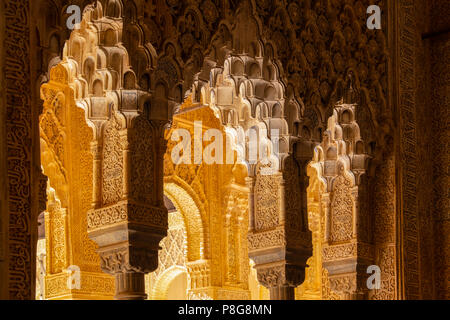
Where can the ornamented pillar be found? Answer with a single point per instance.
(236, 260)
(347, 244)
(67, 161)
(279, 240)
(200, 278)
(312, 288)
(103, 156)
(131, 219)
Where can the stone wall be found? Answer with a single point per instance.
(3, 190)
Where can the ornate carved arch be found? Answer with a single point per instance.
(162, 284)
(194, 216)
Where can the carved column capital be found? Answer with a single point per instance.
(128, 235)
(350, 286)
(347, 264)
(128, 258)
(281, 274)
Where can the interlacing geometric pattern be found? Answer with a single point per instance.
(172, 254)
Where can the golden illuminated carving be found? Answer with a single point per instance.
(311, 289)
(263, 64)
(337, 169)
(40, 269)
(214, 209)
(212, 201)
(67, 161)
(172, 261)
(229, 212)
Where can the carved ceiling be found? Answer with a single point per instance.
(318, 49)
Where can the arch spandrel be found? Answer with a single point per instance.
(313, 286)
(264, 89)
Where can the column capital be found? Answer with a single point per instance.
(128, 235)
(280, 274)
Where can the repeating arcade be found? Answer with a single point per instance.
(106, 97)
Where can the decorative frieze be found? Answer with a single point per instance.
(266, 239)
(124, 211)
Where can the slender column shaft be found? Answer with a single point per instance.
(251, 202)
(97, 171)
(130, 286)
(282, 293)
